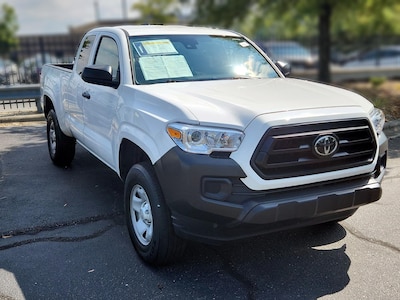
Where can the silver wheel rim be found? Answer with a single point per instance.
(52, 138)
(141, 215)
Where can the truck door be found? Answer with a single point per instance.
(101, 103)
(73, 96)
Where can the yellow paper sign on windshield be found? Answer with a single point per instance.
(163, 46)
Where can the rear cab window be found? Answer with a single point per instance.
(83, 56)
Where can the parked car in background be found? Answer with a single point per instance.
(289, 51)
(384, 56)
(8, 71)
(29, 69)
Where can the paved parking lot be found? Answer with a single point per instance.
(62, 235)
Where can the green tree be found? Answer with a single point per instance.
(323, 18)
(8, 29)
(157, 11)
(372, 18)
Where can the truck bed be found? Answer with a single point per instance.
(68, 66)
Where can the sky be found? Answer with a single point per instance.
(56, 16)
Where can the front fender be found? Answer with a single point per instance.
(154, 143)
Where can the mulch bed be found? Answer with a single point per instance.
(385, 95)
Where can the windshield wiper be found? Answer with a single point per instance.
(241, 77)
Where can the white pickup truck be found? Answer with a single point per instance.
(213, 143)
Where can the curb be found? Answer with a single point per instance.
(391, 128)
(22, 118)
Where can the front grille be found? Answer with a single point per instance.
(289, 151)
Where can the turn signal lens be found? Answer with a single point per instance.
(174, 133)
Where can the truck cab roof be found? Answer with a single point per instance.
(137, 30)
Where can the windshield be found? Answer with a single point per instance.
(172, 58)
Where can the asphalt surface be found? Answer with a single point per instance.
(63, 235)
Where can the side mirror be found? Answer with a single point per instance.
(101, 75)
(284, 67)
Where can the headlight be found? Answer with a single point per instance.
(378, 119)
(204, 140)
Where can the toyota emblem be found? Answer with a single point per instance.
(326, 145)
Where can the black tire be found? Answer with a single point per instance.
(148, 218)
(61, 147)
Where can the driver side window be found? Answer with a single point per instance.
(107, 54)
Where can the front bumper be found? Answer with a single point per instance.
(209, 202)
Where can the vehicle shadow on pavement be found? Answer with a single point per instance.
(291, 264)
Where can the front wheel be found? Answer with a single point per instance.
(61, 147)
(148, 218)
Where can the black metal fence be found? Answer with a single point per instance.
(20, 70)
(20, 104)
(23, 65)
(21, 97)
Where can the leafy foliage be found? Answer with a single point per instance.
(8, 29)
(289, 19)
(157, 11)
(222, 12)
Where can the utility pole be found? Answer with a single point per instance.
(124, 10)
(97, 10)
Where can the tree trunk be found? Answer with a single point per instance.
(324, 41)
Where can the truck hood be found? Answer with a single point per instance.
(237, 102)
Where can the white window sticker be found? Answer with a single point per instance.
(158, 67)
(154, 47)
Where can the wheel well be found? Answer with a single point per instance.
(129, 154)
(48, 105)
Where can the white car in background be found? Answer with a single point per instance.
(29, 69)
(8, 71)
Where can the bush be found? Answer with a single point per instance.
(377, 81)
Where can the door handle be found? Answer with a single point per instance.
(86, 95)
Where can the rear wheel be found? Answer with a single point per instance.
(148, 218)
(61, 147)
